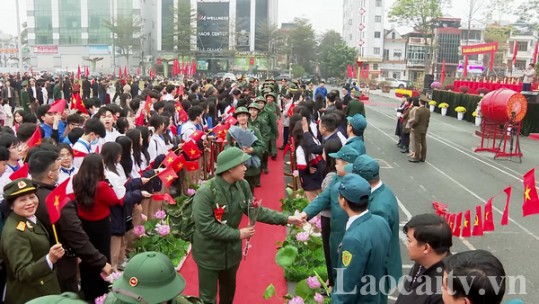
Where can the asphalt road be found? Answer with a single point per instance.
(457, 176)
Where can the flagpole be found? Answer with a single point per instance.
(55, 234)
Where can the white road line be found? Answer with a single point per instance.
(465, 188)
(404, 210)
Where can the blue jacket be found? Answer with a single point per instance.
(358, 144)
(321, 90)
(329, 199)
(362, 253)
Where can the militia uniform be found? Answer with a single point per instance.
(24, 248)
(355, 106)
(364, 247)
(358, 123)
(269, 115)
(265, 132)
(217, 247)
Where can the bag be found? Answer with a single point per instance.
(181, 220)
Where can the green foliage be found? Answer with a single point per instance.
(335, 58)
(303, 290)
(528, 12)
(269, 292)
(123, 29)
(286, 256)
(290, 204)
(302, 43)
(297, 70)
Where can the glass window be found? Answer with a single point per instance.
(378, 3)
(167, 25)
(386, 54)
(376, 34)
(43, 18)
(70, 27)
(397, 53)
(377, 50)
(375, 66)
(520, 64)
(125, 8)
(98, 11)
(522, 46)
(378, 19)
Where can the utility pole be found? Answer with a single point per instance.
(113, 39)
(19, 38)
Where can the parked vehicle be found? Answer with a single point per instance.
(394, 83)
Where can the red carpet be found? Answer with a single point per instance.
(259, 269)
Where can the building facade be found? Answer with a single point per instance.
(394, 58)
(524, 35)
(363, 29)
(63, 32)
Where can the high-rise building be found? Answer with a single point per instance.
(63, 32)
(363, 29)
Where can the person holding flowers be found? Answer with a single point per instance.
(218, 207)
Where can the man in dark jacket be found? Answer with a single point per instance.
(86, 88)
(44, 167)
(429, 241)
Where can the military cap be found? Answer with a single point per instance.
(293, 88)
(230, 158)
(356, 94)
(358, 122)
(346, 153)
(355, 189)
(241, 110)
(260, 98)
(149, 277)
(365, 166)
(270, 94)
(254, 105)
(18, 188)
(24, 83)
(64, 298)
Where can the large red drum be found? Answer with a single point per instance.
(498, 106)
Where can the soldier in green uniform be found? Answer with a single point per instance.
(149, 277)
(268, 115)
(218, 207)
(256, 149)
(25, 250)
(24, 97)
(355, 106)
(64, 298)
(265, 133)
(271, 103)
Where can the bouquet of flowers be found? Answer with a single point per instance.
(252, 213)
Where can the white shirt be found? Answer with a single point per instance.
(82, 146)
(67, 173)
(342, 138)
(188, 128)
(355, 217)
(117, 181)
(376, 186)
(157, 146)
(110, 136)
(45, 95)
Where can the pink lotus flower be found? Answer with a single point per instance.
(317, 222)
(139, 231)
(313, 282)
(296, 300)
(191, 192)
(302, 236)
(101, 299)
(160, 214)
(162, 230)
(318, 298)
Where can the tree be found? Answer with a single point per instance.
(302, 43)
(474, 8)
(528, 12)
(297, 71)
(500, 34)
(270, 40)
(499, 9)
(183, 31)
(125, 34)
(420, 14)
(335, 55)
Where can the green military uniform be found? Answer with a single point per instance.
(24, 247)
(363, 250)
(217, 247)
(355, 106)
(24, 97)
(57, 92)
(272, 106)
(264, 129)
(258, 149)
(382, 202)
(64, 298)
(268, 115)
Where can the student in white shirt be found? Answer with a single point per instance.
(195, 118)
(157, 144)
(106, 116)
(67, 168)
(86, 144)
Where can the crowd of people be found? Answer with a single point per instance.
(109, 150)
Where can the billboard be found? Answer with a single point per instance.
(213, 26)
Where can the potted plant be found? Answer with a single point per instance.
(482, 91)
(386, 87)
(464, 89)
(436, 85)
(460, 112)
(443, 108)
(477, 116)
(449, 87)
(432, 105)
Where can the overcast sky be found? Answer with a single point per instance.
(324, 14)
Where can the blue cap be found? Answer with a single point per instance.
(366, 166)
(346, 153)
(358, 122)
(355, 189)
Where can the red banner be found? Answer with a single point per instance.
(479, 48)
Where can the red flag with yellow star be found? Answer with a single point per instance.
(220, 131)
(178, 163)
(197, 135)
(489, 217)
(467, 229)
(190, 148)
(458, 223)
(505, 215)
(192, 165)
(35, 139)
(56, 200)
(170, 158)
(478, 222)
(531, 200)
(167, 176)
(451, 221)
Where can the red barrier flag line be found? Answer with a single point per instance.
(452, 221)
(467, 229)
(478, 221)
(505, 215)
(488, 224)
(458, 223)
(531, 200)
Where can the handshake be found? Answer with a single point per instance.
(298, 219)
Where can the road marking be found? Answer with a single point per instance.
(383, 164)
(423, 188)
(404, 210)
(465, 188)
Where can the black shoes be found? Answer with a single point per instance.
(404, 150)
(413, 160)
